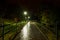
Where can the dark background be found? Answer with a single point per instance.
(10, 9)
(14, 8)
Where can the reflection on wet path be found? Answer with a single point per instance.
(25, 32)
(30, 32)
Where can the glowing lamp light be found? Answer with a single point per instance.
(25, 13)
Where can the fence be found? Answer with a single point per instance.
(50, 33)
(8, 32)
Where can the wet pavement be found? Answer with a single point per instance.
(30, 32)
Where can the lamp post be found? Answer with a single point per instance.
(25, 13)
(2, 26)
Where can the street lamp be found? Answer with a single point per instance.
(28, 17)
(25, 13)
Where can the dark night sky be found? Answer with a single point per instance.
(31, 5)
(34, 3)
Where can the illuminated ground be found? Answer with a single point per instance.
(32, 32)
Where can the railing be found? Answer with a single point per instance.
(10, 31)
(7, 29)
(49, 32)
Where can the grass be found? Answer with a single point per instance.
(10, 30)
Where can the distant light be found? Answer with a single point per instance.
(25, 13)
(28, 17)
